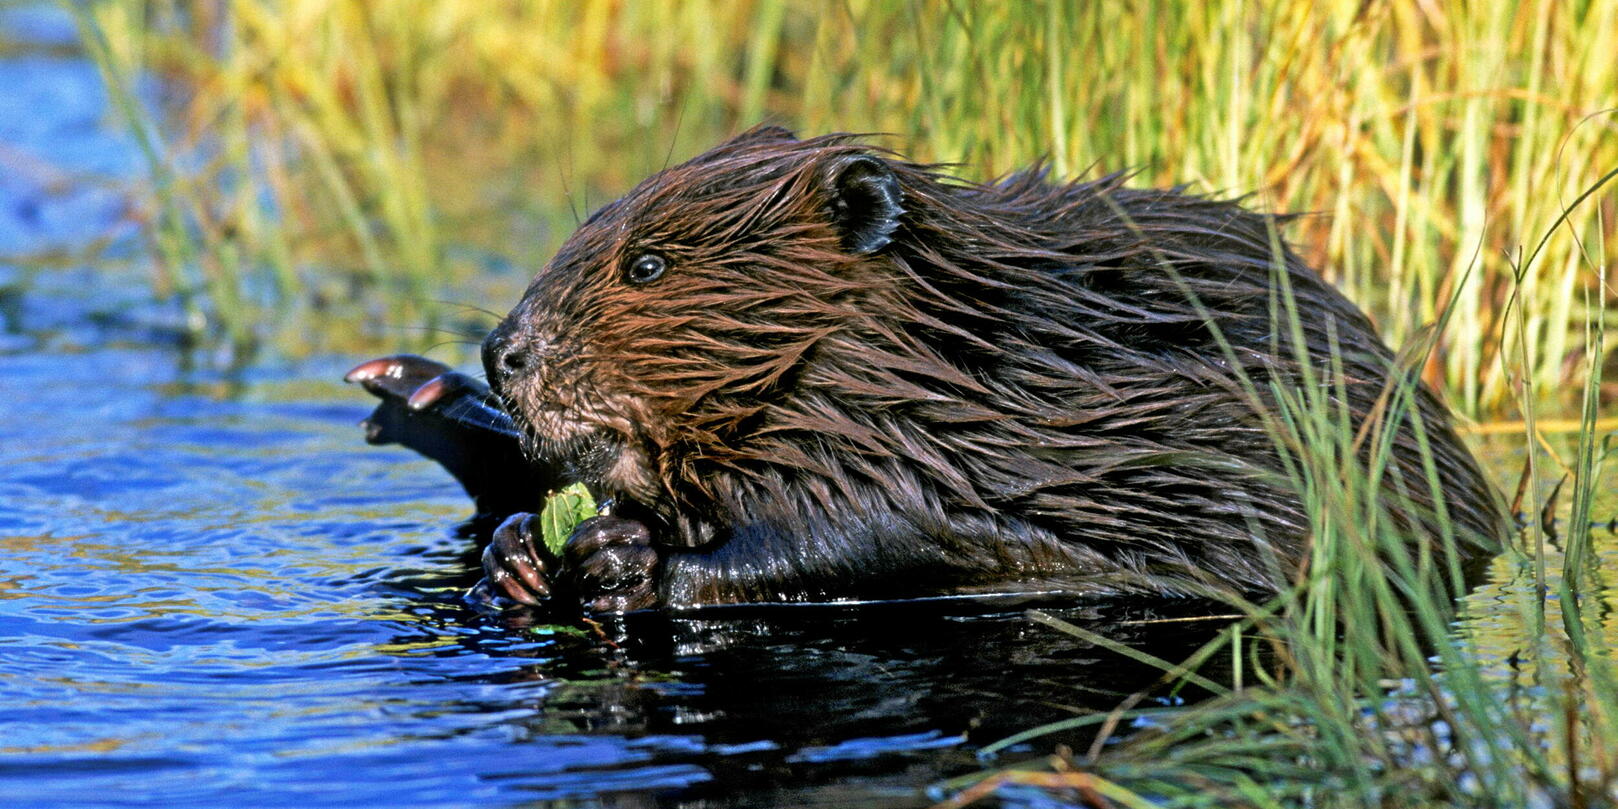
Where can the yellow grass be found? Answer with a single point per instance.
(328, 149)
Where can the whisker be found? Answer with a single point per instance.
(468, 307)
(443, 343)
(679, 120)
(467, 336)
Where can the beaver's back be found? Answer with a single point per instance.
(1163, 404)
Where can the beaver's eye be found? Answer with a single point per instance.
(645, 268)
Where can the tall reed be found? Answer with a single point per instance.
(326, 152)
(1358, 686)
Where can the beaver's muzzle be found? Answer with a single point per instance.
(511, 351)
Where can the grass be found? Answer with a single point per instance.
(1369, 692)
(371, 157)
(325, 173)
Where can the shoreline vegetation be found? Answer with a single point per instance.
(307, 153)
(342, 162)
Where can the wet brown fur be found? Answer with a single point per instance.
(1016, 393)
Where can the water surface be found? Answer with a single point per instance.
(212, 592)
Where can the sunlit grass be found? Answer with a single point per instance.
(332, 150)
(1358, 687)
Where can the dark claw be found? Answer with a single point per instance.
(405, 382)
(429, 393)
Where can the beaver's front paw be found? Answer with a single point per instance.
(516, 567)
(613, 564)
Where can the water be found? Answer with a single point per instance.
(213, 593)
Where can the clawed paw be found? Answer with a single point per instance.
(516, 566)
(608, 564)
(612, 564)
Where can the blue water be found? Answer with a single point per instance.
(212, 593)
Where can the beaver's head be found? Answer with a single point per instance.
(674, 317)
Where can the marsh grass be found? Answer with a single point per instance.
(363, 157)
(1358, 686)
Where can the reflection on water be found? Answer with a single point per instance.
(212, 592)
(211, 598)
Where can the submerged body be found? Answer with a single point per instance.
(806, 370)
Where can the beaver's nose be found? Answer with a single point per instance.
(505, 354)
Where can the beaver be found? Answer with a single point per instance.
(810, 370)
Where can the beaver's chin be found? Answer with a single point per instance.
(607, 462)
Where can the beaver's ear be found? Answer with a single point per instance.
(865, 202)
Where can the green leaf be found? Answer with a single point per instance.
(563, 511)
